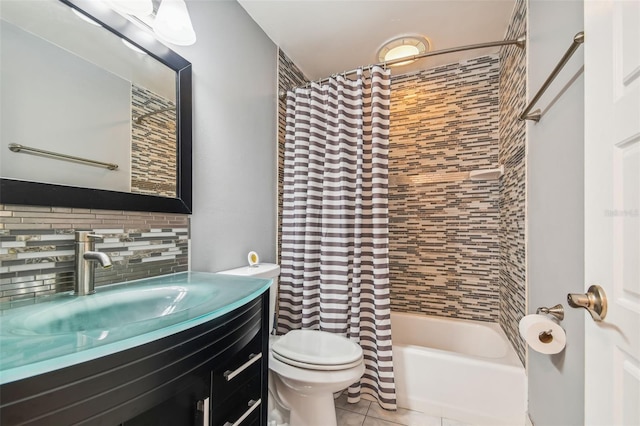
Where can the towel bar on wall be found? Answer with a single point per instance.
(14, 147)
(158, 111)
(578, 39)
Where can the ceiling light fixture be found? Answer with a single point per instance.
(173, 23)
(403, 47)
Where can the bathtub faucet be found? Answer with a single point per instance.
(86, 256)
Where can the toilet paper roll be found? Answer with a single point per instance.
(542, 334)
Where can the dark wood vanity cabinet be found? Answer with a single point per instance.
(217, 368)
(236, 391)
(182, 409)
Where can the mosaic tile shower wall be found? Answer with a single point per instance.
(289, 76)
(37, 248)
(456, 246)
(153, 144)
(513, 92)
(443, 228)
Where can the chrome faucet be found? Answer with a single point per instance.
(85, 256)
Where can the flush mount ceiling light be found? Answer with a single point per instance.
(173, 23)
(132, 7)
(403, 47)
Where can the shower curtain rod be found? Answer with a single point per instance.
(520, 42)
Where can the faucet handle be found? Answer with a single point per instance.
(86, 236)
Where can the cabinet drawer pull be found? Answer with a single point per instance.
(203, 407)
(252, 406)
(231, 374)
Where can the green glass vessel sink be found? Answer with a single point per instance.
(63, 330)
(108, 310)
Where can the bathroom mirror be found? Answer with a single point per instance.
(72, 87)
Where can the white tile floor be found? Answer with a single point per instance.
(367, 413)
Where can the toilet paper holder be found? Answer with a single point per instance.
(556, 311)
(543, 334)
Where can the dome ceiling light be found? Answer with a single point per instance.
(403, 47)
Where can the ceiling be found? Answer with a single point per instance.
(325, 37)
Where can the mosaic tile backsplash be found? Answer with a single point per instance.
(443, 228)
(513, 92)
(153, 144)
(37, 247)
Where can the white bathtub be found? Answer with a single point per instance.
(458, 369)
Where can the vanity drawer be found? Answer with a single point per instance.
(242, 407)
(236, 371)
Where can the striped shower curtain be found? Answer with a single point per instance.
(334, 259)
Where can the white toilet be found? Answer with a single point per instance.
(308, 366)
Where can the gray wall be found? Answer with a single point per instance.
(555, 209)
(235, 147)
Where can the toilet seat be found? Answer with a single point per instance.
(317, 350)
(306, 377)
(319, 367)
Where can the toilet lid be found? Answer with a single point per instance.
(321, 367)
(318, 348)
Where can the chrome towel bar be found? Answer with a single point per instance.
(14, 147)
(149, 114)
(578, 39)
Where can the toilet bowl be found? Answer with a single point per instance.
(307, 366)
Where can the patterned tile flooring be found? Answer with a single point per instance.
(367, 413)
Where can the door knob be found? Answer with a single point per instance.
(594, 301)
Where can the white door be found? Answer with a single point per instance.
(612, 209)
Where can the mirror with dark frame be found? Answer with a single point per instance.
(138, 146)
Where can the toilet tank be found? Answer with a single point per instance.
(262, 270)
